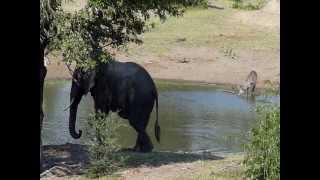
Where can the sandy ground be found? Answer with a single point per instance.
(208, 64)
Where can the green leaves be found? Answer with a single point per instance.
(248, 4)
(47, 15)
(263, 151)
(82, 36)
(102, 133)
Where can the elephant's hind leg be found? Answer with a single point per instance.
(144, 143)
(139, 123)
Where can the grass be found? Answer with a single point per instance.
(203, 28)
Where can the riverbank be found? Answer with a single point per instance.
(69, 161)
(229, 44)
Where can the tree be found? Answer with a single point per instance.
(47, 31)
(81, 36)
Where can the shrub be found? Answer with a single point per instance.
(236, 4)
(262, 159)
(102, 134)
(198, 3)
(248, 5)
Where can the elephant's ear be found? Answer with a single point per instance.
(89, 81)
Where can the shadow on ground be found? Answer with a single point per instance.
(72, 159)
(65, 159)
(155, 159)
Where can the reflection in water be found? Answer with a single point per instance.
(190, 119)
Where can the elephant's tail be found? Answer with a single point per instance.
(156, 126)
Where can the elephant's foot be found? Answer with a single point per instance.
(146, 148)
(143, 144)
(136, 148)
(139, 148)
(128, 150)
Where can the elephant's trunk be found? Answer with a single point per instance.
(75, 99)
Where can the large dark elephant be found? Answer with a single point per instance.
(126, 88)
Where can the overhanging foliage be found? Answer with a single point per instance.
(81, 36)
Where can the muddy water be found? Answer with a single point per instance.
(192, 117)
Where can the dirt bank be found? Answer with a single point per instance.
(199, 64)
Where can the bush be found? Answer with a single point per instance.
(262, 159)
(248, 5)
(199, 3)
(102, 135)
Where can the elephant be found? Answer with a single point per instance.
(122, 87)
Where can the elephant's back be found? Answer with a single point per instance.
(133, 72)
(140, 76)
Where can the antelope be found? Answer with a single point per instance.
(249, 85)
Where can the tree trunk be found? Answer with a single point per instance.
(43, 73)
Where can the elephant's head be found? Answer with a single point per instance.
(82, 82)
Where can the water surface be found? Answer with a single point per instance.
(191, 117)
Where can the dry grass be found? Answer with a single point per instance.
(212, 28)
